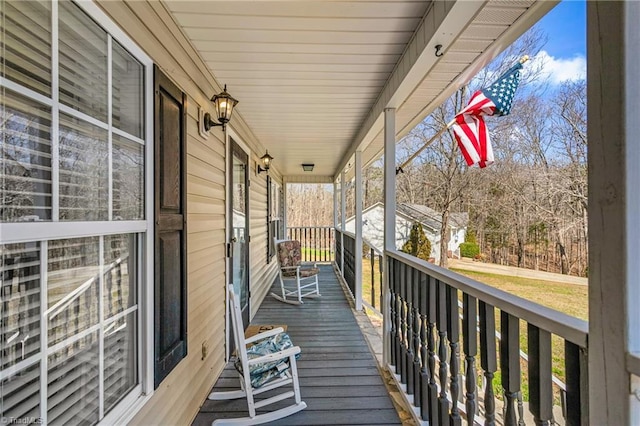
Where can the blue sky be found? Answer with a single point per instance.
(564, 55)
(566, 27)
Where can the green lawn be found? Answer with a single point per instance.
(316, 255)
(571, 299)
(366, 281)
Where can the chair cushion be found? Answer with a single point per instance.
(264, 372)
(289, 253)
(304, 273)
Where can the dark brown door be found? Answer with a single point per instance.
(170, 226)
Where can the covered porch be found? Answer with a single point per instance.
(328, 84)
(339, 376)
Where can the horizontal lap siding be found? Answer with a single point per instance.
(179, 396)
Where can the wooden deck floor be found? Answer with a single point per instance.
(339, 379)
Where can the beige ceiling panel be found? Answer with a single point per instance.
(279, 23)
(236, 67)
(289, 58)
(467, 45)
(290, 46)
(347, 9)
(493, 15)
(287, 75)
(484, 32)
(456, 56)
(335, 99)
(521, 5)
(327, 37)
(307, 73)
(450, 67)
(312, 92)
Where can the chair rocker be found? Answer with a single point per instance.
(268, 363)
(296, 281)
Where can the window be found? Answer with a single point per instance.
(275, 216)
(73, 156)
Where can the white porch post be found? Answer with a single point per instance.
(335, 216)
(358, 250)
(343, 212)
(613, 90)
(389, 220)
(284, 216)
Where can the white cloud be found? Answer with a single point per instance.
(558, 70)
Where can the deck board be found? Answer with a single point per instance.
(339, 378)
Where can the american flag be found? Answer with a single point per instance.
(469, 127)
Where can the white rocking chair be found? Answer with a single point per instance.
(266, 365)
(296, 281)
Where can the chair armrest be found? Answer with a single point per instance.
(264, 334)
(276, 355)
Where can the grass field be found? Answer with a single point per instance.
(571, 299)
(366, 281)
(316, 255)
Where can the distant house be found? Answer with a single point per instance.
(406, 215)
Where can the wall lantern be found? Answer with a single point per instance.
(266, 162)
(223, 104)
(308, 167)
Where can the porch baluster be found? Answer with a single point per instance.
(373, 288)
(424, 351)
(576, 366)
(510, 364)
(441, 321)
(453, 330)
(431, 319)
(488, 360)
(323, 243)
(417, 323)
(403, 323)
(393, 279)
(540, 386)
(410, 357)
(381, 272)
(470, 348)
(520, 410)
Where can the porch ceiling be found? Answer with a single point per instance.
(313, 77)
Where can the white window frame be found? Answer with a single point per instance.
(51, 230)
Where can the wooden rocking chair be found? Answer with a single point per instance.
(296, 281)
(268, 363)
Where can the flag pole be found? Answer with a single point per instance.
(399, 169)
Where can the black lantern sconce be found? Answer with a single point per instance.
(224, 104)
(266, 163)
